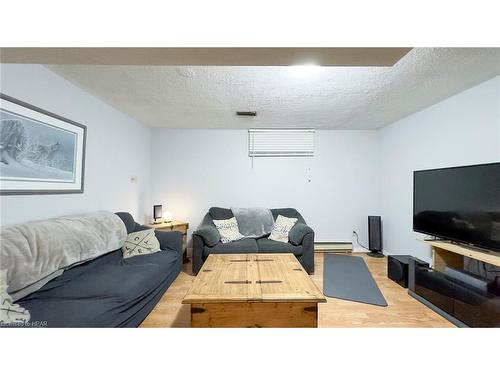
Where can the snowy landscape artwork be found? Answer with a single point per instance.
(38, 152)
(35, 151)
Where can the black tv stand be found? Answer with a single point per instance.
(459, 301)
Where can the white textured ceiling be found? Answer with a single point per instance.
(325, 97)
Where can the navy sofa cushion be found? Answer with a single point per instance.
(106, 292)
(269, 246)
(247, 245)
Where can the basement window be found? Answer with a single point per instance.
(281, 142)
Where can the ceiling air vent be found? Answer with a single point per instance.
(246, 113)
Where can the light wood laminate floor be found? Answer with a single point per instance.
(403, 310)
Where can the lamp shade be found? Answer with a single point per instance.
(167, 216)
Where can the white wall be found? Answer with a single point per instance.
(196, 169)
(463, 129)
(117, 148)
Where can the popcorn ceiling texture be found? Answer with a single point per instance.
(323, 98)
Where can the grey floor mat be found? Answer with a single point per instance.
(347, 277)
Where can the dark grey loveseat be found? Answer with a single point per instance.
(206, 240)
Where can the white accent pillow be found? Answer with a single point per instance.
(281, 228)
(228, 230)
(140, 243)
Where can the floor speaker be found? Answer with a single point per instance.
(375, 236)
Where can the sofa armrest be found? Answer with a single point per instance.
(198, 258)
(298, 232)
(171, 241)
(168, 240)
(209, 234)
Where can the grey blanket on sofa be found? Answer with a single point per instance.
(35, 253)
(254, 222)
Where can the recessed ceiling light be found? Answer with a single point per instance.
(305, 69)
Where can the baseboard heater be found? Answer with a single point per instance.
(332, 247)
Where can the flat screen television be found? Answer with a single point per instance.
(461, 204)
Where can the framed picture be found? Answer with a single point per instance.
(40, 152)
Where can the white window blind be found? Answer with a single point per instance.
(280, 142)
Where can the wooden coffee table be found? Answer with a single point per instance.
(253, 290)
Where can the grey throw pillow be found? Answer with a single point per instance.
(140, 243)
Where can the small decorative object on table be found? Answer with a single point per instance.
(157, 214)
(178, 226)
